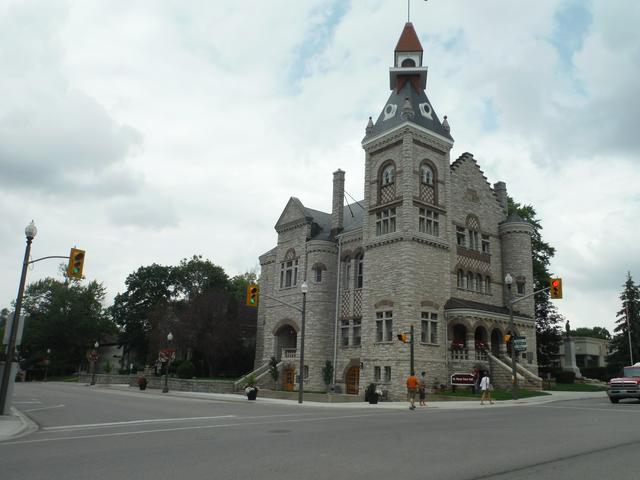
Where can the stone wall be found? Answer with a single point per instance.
(179, 384)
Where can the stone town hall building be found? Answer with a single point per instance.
(429, 246)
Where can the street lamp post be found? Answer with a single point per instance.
(165, 389)
(305, 288)
(94, 358)
(46, 364)
(508, 279)
(30, 232)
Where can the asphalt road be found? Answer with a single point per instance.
(99, 433)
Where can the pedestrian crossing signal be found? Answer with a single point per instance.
(76, 263)
(555, 289)
(507, 338)
(252, 295)
(403, 337)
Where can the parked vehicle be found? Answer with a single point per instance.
(627, 386)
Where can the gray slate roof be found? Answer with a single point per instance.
(415, 98)
(352, 220)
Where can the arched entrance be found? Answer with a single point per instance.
(288, 378)
(459, 337)
(352, 380)
(285, 342)
(481, 338)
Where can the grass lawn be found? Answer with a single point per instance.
(576, 387)
(497, 394)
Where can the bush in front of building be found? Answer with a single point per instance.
(564, 377)
(186, 369)
(598, 373)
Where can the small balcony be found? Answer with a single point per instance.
(288, 353)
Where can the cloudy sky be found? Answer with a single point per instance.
(149, 131)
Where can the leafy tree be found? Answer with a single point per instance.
(196, 276)
(4, 320)
(548, 319)
(595, 332)
(627, 317)
(65, 316)
(239, 284)
(147, 287)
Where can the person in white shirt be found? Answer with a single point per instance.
(486, 387)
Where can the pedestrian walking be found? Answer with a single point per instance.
(412, 387)
(422, 389)
(486, 387)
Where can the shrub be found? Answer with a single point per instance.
(565, 377)
(107, 367)
(599, 373)
(327, 372)
(186, 369)
(273, 369)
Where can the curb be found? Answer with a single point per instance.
(25, 426)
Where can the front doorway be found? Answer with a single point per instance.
(288, 379)
(353, 380)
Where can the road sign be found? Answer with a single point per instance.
(92, 355)
(520, 344)
(462, 379)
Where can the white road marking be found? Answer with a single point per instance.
(195, 427)
(131, 422)
(43, 408)
(613, 410)
(28, 402)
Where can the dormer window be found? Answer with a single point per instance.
(388, 175)
(408, 63)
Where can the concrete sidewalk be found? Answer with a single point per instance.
(18, 424)
(15, 425)
(431, 405)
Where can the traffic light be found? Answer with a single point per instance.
(252, 295)
(507, 338)
(403, 337)
(555, 287)
(76, 262)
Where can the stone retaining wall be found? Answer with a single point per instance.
(179, 384)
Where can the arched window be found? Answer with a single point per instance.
(388, 175)
(386, 180)
(428, 177)
(473, 225)
(408, 62)
(479, 283)
(487, 284)
(461, 279)
(426, 174)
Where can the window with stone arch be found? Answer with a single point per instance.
(387, 182)
(473, 227)
(289, 269)
(462, 279)
(428, 178)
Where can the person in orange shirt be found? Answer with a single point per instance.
(412, 387)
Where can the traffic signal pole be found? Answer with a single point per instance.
(413, 372)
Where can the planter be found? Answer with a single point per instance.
(143, 387)
(252, 394)
(373, 399)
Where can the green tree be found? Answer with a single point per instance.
(65, 316)
(147, 287)
(628, 317)
(195, 276)
(239, 285)
(4, 320)
(595, 332)
(548, 319)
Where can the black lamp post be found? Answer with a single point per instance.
(30, 232)
(165, 389)
(94, 359)
(305, 288)
(46, 364)
(508, 279)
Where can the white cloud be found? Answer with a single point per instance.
(194, 123)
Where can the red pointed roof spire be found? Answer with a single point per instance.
(408, 41)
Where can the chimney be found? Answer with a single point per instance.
(337, 212)
(500, 189)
